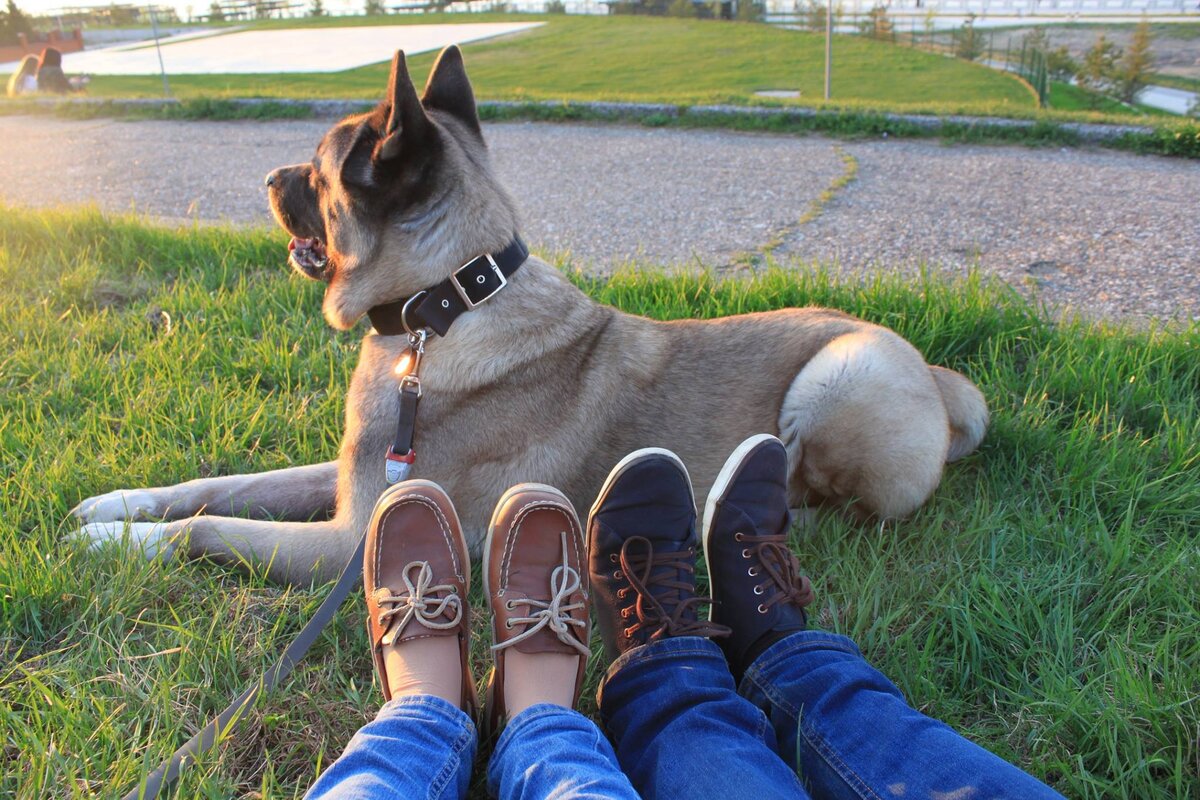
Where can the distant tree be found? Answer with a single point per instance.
(1134, 69)
(556, 7)
(1097, 73)
(814, 14)
(929, 21)
(681, 8)
(749, 11)
(877, 25)
(968, 41)
(216, 13)
(122, 15)
(13, 23)
(317, 9)
(375, 8)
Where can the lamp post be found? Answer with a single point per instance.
(828, 45)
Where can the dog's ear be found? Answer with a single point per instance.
(449, 89)
(406, 123)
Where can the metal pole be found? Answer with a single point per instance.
(162, 67)
(828, 46)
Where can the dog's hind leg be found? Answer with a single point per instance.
(864, 423)
(296, 493)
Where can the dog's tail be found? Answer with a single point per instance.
(966, 408)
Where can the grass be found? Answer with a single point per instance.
(642, 60)
(1044, 601)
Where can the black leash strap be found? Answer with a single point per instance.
(222, 725)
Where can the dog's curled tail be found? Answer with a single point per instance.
(966, 409)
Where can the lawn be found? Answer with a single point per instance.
(1044, 602)
(646, 60)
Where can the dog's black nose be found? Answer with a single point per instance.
(270, 179)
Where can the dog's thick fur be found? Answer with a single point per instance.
(541, 383)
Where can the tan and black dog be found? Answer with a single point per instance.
(539, 383)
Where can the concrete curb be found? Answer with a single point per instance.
(1088, 132)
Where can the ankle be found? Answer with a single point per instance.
(534, 678)
(428, 666)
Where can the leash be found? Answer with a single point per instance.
(222, 724)
(434, 309)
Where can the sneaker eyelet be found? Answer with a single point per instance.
(758, 590)
(624, 615)
(738, 537)
(746, 553)
(612, 557)
(622, 593)
(762, 609)
(509, 605)
(508, 622)
(752, 572)
(617, 575)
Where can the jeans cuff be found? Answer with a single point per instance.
(799, 642)
(679, 647)
(399, 708)
(531, 716)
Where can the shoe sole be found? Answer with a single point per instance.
(637, 457)
(720, 486)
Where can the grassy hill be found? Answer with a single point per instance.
(648, 60)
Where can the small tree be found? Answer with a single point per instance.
(216, 13)
(13, 23)
(1097, 73)
(317, 9)
(1060, 64)
(877, 24)
(814, 15)
(968, 41)
(1133, 71)
(375, 8)
(556, 7)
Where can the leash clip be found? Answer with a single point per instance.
(400, 456)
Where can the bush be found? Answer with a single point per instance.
(556, 7)
(877, 25)
(13, 22)
(1098, 72)
(1060, 64)
(1133, 71)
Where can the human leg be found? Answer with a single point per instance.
(668, 701)
(416, 573)
(838, 720)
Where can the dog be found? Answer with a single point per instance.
(538, 383)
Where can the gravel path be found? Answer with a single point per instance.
(1109, 234)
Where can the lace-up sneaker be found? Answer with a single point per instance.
(417, 572)
(757, 587)
(536, 581)
(642, 553)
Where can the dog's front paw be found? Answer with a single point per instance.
(150, 539)
(118, 505)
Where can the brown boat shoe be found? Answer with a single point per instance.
(536, 582)
(417, 572)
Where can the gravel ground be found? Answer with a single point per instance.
(1106, 233)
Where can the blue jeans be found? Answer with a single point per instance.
(422, 747)
(812, 718)
(808, 706)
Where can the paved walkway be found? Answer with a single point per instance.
(1107, 233)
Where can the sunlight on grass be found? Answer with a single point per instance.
(1043, 602)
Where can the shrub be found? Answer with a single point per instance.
(877, 25)
(1097, 73)
(968, 41)
(1133, 71)
(749, 11)
(1060, 64)
(556, 7)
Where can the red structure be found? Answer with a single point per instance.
(65, 41)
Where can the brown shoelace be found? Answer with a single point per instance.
(781, 568)
(651, 612)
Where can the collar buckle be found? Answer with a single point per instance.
(478, 280)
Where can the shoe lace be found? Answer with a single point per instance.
(420, 601)
(649, 570)
(555, 613)
(782, 569)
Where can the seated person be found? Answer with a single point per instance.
(24, 80)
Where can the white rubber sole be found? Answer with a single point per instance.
(721, 485)
(636, 457)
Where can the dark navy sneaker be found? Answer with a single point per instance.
(757, 588)
(642, 553)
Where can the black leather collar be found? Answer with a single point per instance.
(471, 285)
